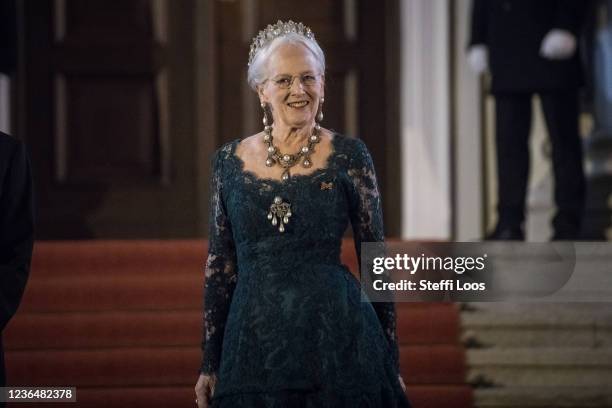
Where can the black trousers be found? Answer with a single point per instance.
(2, 369)
(513, 125)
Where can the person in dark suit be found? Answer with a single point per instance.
(530, 48)
(8, 36)
(16, 230)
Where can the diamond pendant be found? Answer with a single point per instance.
(279, 213)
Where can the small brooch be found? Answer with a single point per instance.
(327, 186)
(279, 214)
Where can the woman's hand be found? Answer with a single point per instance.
(401, 381)
(204, 389)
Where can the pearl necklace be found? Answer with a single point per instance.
(287, 161)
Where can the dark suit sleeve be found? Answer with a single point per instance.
(16, 232)
(478, 33)
(570, 14)
(8, 36)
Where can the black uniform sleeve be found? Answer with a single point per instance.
(478, 34)
(570, 14)
(8, 36)
(16, 231)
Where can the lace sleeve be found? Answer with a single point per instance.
(367, 223)
(220, 273)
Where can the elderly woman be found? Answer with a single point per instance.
(284, 322)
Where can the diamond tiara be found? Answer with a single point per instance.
(279, 29)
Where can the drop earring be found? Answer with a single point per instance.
(266, 119)
(320, 113)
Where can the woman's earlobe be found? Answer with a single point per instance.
(260, 93)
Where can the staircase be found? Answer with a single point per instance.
(540, 355)
(121, 321)
(432, 360)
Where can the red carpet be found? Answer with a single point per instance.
(121, 321)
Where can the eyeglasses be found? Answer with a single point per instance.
(285, 82)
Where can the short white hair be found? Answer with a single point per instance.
(257, 70)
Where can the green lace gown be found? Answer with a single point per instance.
(284, 322)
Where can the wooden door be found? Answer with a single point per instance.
(107, 114)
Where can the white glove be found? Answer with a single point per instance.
(478, 58)
(558, 45)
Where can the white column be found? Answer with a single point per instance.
(425, 119)
(468, 172)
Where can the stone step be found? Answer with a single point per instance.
(528, 308)
(178, 365)
(142, 258)
(539, 328)
(577, 367)
(91, 293)
(159, 396)
(543, 397)
(171, 396)
(435, 324)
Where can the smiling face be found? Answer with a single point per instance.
(293, 105)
